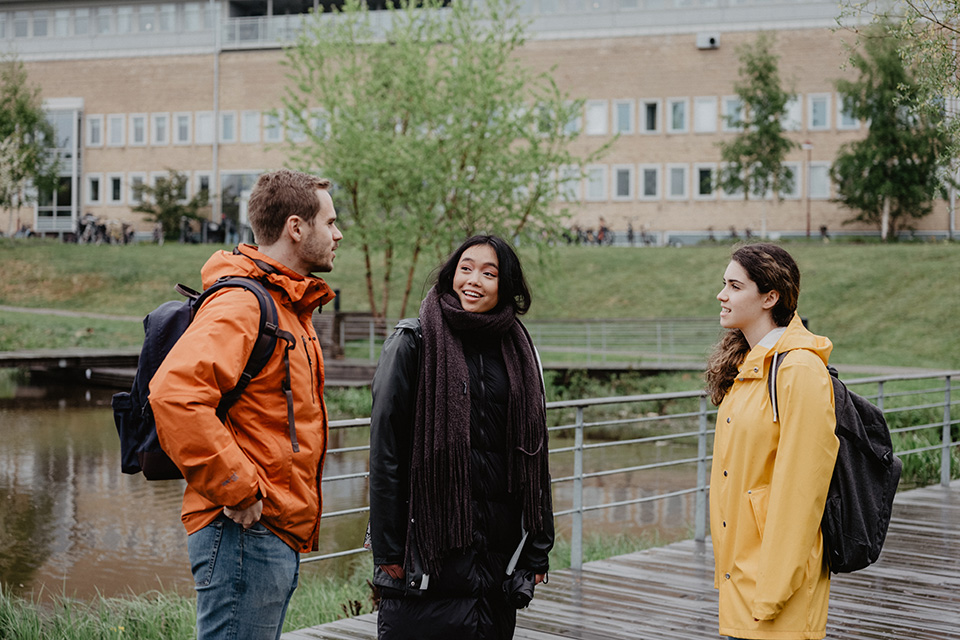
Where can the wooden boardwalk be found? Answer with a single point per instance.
(911, 593)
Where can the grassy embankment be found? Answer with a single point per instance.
(881, 305)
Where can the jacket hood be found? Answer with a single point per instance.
(304, 293)
(795, 336)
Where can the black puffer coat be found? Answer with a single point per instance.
(464, 599)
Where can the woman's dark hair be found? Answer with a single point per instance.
(771, 268)
(512, 286)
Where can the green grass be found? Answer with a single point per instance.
(880, 304)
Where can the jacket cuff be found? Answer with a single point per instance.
(248, 502)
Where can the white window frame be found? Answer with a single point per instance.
(712, 167)
(792, 119)
(797, 181)
(642, 117)
(155, 175)
(295, 131)
(631, 182)
(319, 123)
(724, 194)
(109, 199)
(118, 120)
(143, 121)
(569, 184)
(710, 104)
(103, 131)
(204, 127)
(818, 166)
(600, 181)
(725, 112)
(250, 127)
(631, 109)
(842, 123)
(175, 127)
(154, 120)
(814, 97)
(228, 127)
(272, 127)
(596, 118)
(87, 190)
(685, 126)
(668, 175)
(197, 179)
(642, 182)
(131, 177)
(575, 123)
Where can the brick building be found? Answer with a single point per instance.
(138, 87)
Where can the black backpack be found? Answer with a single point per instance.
(139, 446)
(864, 482)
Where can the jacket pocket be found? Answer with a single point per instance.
(759, 501)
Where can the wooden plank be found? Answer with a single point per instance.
(911, 593)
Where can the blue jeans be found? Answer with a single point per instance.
(244, 580)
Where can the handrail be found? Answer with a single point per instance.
(682, 421)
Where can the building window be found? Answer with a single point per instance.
(295, 129)
(819, 181)
(193, 16)
(103, 20)
(845, 120)
(95, 131)
(272, 129)
(138, 129)
(136, 183)
(732, 113)
(793, 193)
(596, 118)
(650, 116)
(40, 19)
(818, 111)
(704, 176)
(21, 24)
(204, 132)
(81, 21)
(115, 185)
(677, 115)
(568, 188)
(228, 126)
(124, 19)
(677, 182)
(250, 127)
(792, 119)
(596, 183)
(572, 125)
(201, 182)
(115, 126)
(181, 128)
(93, 189)
(160, 128)
(705, 115)
(623, 111)
(649, 182)
(147, 15)
(623, 182)
(167, 17)
(61, 23)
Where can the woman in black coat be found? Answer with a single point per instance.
(459, 479)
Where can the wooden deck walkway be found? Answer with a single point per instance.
(911, 593)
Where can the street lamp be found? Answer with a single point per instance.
(808, 147)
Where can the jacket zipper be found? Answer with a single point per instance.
(483, 389)
(306, 349)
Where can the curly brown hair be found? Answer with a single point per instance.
(771, 268)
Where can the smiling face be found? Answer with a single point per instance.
(743, 307)
(477, 279)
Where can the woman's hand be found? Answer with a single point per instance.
(395, 571)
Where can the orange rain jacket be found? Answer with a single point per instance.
(251, 454)
(768, 488)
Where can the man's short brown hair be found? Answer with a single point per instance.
(279, 195)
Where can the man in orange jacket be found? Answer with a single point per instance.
(252, 501)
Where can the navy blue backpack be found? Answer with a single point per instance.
(139, 446)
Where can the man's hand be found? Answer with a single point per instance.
(248, 517)
(540, 578)
(395, 571)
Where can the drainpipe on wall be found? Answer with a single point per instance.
(216, 209)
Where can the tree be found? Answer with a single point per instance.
(430, 129)
(892, 175)
(166, 202)
(753, 160)
(26, 140)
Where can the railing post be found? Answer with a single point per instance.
(947, 439)
(576, 534)
(880, 395)
(700, 518)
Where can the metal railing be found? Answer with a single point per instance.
(614, 459)
(594, 341)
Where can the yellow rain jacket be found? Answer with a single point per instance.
(768, 487)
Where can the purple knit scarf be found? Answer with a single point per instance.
(440, 509)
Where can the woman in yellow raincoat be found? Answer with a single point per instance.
(770, 475)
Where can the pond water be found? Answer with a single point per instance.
(71, 522)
